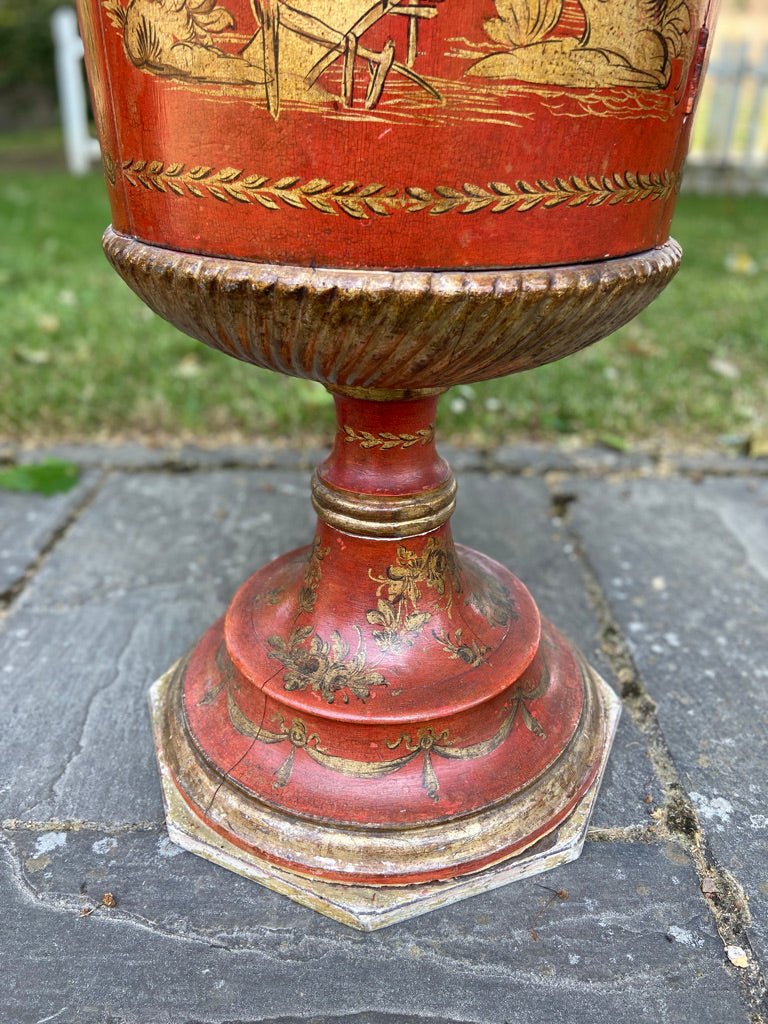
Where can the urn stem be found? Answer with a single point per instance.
(384, 477)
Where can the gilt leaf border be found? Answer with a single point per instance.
(361, 201)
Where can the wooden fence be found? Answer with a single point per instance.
(729, 150)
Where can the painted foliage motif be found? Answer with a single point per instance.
(374, 55)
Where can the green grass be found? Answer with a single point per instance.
(45, 143)
(81, 357)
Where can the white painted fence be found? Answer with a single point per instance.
(80, 148)
(729, 151)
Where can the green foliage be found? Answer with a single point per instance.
(51, 476)
(26, 47)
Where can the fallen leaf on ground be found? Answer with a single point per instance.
(724, 368)
(758, 445)
(741, 263)
(189, 367)
(33, 356)
(48, 322)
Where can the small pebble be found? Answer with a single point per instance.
(737, 956)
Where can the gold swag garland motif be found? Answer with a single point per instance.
(427, 743)
(358, 201)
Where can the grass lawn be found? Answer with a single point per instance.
(81, 357)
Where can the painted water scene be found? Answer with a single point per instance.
(418, 60)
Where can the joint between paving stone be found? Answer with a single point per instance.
(525, 460)
(676, 820)
(623, 834)
(109, 828)
(9, 596)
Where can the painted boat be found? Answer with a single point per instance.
(299, 42)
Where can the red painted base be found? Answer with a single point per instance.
(383, 710)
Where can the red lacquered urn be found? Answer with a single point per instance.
(389, 197)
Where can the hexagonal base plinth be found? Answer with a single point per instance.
(370, 907)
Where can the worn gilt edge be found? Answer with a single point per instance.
(356, 200)
(388, 516)
(138, 262)
(366, 907)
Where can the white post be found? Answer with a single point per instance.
(79, 147)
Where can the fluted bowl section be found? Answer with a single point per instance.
(378, 329)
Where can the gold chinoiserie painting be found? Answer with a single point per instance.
(315, 53)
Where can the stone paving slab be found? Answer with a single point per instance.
(151, 563)
(130, 455)
(685, 570)
(28, 522)
(189, 942)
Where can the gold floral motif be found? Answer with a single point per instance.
(312, 577)
(233, 185)
(470, 652)
(326, 668)
(110, 170)
(399, 613)
(398, 629)
(499, 197)
(521, 23)
(387, 441)
(359, 201)
(116, 13)
(435, 566)
(426, 744)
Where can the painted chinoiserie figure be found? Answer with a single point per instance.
(389, 197)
